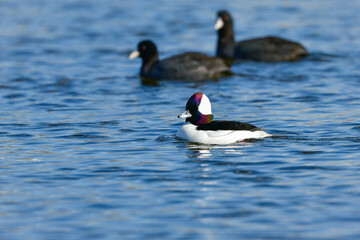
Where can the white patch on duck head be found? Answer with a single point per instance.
(205, 105)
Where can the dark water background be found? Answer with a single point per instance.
(89, 152)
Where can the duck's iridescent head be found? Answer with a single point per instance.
(198, 109)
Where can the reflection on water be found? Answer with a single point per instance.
(205, 151)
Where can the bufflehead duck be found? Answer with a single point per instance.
(186, 66)
(266, 49)
(200, 127)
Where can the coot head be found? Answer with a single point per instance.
(146, 50)
(224, 21)
(226, 41)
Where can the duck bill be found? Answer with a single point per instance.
(134, 54)
(219, 23)
(185, 114)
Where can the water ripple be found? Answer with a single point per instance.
(88, 148)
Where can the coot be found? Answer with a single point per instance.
(266, 49)
(186, 66)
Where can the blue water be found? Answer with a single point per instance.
(88, 150)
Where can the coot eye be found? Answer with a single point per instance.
(143, 47)
(225, 17)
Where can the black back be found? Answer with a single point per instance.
(227, 125)
(269, 49)
(189, 66)
(186, 66)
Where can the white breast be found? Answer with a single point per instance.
(188, 132)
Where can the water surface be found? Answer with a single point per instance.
(88, 151)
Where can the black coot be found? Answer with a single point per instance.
(186, 66)
(267, 49)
